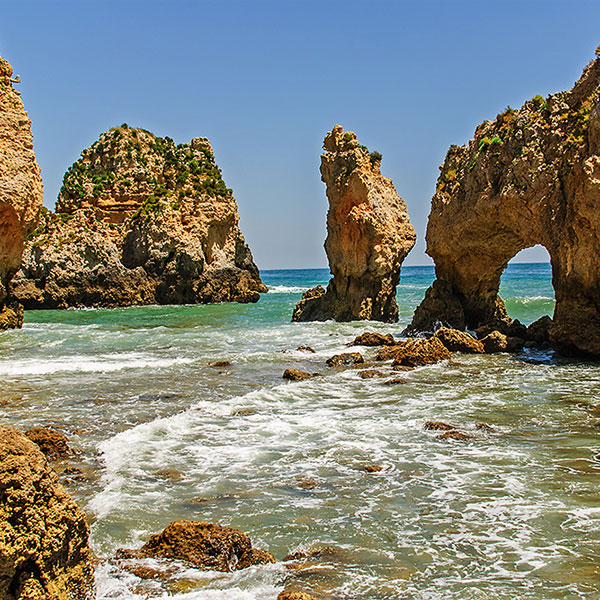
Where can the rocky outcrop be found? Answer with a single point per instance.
(202, 545)
(139, 220)
(531, 176)
(44, 552)
(21, 193)
(459, 341)
(53, 444)
(368, 236)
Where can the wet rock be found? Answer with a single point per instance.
(459, 341)
(144, 572)
(402, 368)
(307, 483)
(514, 344)
(416, 352)
(321, 552)
(458, 436)
(373, 339)
(220, 363)
(44, 549)
(387, 352)
(438, 426)
(170, 474)
(305, 349)
(296, 375)
(495, 342)
(372, 468)
(255, 557)
(370, 373)
(347, 358)
(368, 236)
(242, 412)
(396, 381)
(539, 331)
(52, 443)
(516, 329)
(483, 427)
(202, 545)
(294, 595)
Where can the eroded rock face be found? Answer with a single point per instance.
(368, 236)
(531, 176)
(139, 220)
(21, 193)
(44, 552)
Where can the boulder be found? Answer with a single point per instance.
(344, 359)
(495, 342)
(416, 352)
(368, 236)
(539, 331)
(296, 375)
(53, 444)
(294, 595)
(370, 373)
(44, 548)
(530, 176)
(438, 426)
(373, 339)
(202, 545)
(459, 341)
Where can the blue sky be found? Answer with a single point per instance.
(264, 81)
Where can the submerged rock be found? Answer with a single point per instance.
(531, 176)
(368, 237)
(458, 436)
(21, 192)
(139, 220)
(346, 358)
(202, 545)
(53, 444)
(459, 341)
(294, 595)
(44, 550)
(438, 426)
(296, 375)
(370, 373)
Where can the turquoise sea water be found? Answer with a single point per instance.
(160, 435)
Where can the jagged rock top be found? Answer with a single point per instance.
(128, 169)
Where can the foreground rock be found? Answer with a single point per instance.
(294, 595)
(202, 545)
(139, 220)
(373, 339)
(44, 552)
(53, 444)
(297, 375)
(368, 236)
(530, 176)
(21, 193)
(345, 359)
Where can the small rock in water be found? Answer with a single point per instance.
(372, 468)
(147, 572)
(313, 554)
(369, 373)
(347, 358)
(373, 339)
(296, 375)
(438, 426)
(203, 545)
(220, 363)
(294, 595)
(459, 436)
(416, 352)
(242, 412)
(483, 427)
(402, 368)
(171, 474)
(307, 483)
(495, 342)
(396, 381)
(305, 349)
(52, 443)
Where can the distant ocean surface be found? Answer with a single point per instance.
(161, 435)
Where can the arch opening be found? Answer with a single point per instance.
(526, 285)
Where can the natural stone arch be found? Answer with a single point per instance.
(530, 177)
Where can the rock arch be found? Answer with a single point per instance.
(532, 176)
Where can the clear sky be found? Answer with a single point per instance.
(265, 80)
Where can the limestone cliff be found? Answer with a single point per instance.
(531, 176)
(21, 192)
(368, 236)
(139, 220)
(44, 551)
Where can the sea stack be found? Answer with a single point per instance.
(21, 192)
(139, 220)
(368, 236)
(531, 176)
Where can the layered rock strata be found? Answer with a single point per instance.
(139, 220)
(21, 193)
(44, 551)
(368, 236)
(531, 176)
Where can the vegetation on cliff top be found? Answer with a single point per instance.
(134, 168)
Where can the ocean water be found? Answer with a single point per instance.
(160, 435)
